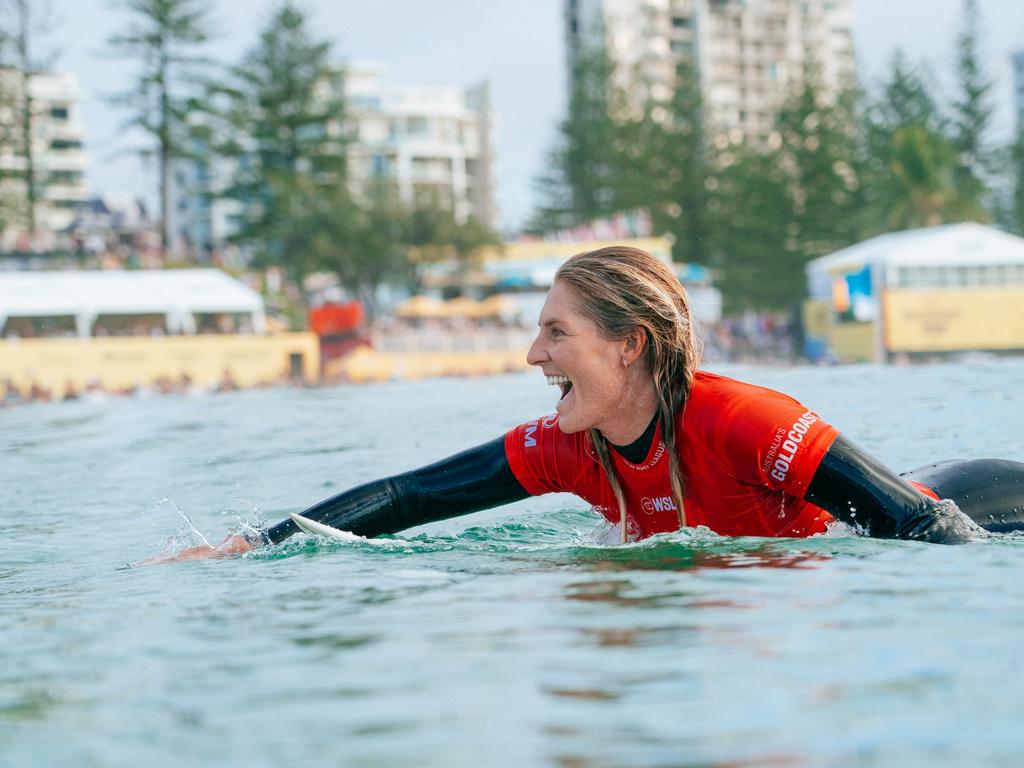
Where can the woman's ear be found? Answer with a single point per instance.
(634, 347)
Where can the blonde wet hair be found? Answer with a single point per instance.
(621, 289)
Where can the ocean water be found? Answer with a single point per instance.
(514, 637)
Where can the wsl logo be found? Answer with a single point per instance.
(530, 434)
(529, 441)
(657, 504)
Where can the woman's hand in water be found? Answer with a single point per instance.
(234, 544)
(941, 522)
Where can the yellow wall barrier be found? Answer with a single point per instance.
(365, 364)
(123, 362)
(949, 320)
(850, 342)
(853, 342)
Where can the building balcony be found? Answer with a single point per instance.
(75, 192)
(63, 161)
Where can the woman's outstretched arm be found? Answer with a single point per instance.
(476, 479)
(479, 478)
(858, 489)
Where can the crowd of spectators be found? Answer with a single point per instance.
(184, 385)
(762, 338)
(63, 326)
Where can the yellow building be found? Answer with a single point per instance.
(920, 293)
(61, 330)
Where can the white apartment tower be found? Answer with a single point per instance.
(431, 141)
(751, 55)
(58, 155)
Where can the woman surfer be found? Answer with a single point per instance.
(657, 445)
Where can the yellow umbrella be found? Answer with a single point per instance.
(464, 307)
(421, 306)
(497, 306)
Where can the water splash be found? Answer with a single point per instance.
(954, 525)
(252, 524)
(188, 532)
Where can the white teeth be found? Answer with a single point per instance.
(557, 380)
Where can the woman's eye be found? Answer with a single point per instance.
(557, 332)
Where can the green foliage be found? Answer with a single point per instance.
(819, 150)
(971, 115)
(433, 233)
(688, 169)
(778, 206)
(1014, 215)
(579, 184)
(380, 240)
(915, 177)
(750, 211)
(163, 36)
(281, 122)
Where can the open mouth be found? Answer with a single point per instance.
(562, 382)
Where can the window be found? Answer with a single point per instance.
(417, 126)
(59, 113)
(65, 177)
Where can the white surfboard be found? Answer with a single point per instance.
(313, 528)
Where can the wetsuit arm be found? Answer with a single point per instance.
(859, 490)
(476, 479)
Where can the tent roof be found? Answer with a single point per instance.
(157, 292)
(965, 244)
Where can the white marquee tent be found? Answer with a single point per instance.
(947, 256)
(177, 294)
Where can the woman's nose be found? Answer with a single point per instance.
(536, 353)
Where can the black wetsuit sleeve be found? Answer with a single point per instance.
(858, 489)
(476, 479)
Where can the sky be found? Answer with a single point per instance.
(515, 44)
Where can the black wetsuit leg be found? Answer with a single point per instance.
(479, 478)
(990, 491)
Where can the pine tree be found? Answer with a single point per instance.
(690, 162)
(910, 176)
(1014, 215)
(819, 152)
(284, 129)
(578, 185)
(164, 37)
(757, 257)
(972, 116)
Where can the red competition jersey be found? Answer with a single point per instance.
(747, 454)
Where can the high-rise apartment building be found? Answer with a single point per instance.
(201, 218)
(433, 143)
(751, 55)
(58, 156)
